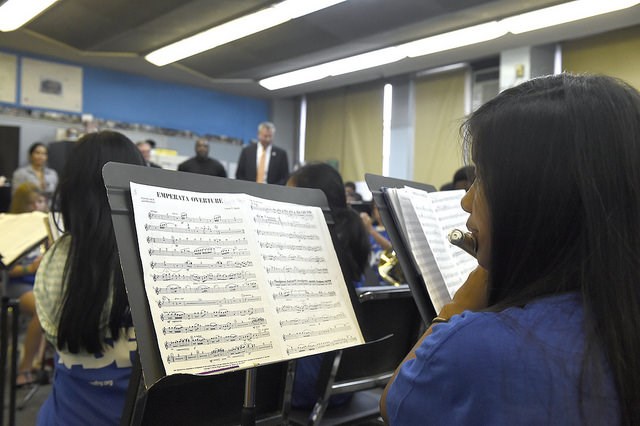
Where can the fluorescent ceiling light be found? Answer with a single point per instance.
(375, 58)
(16, 13)
(236, 29)
(454, 39)
(341, 66)
(563, 13)
(547, 17)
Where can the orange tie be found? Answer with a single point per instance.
(261, 166)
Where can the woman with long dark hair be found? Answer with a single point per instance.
(547, 332)
(80, 294)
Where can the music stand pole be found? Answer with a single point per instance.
(248, 417)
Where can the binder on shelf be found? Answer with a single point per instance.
(224, 275)
(418, 220)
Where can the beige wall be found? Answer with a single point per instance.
(346, 125)
(616, 53)
(439, 114)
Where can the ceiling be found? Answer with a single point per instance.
(116, 34)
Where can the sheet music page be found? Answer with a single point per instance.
(439, 213)
(20, 232)
(311, 301)
(417, 206)
(208, 260)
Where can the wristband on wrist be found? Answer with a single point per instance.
(438, 320)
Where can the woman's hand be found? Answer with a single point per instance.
(472, 296)
(366, 220)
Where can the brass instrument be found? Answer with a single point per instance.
(389, 268)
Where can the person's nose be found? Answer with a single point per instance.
(467, 200)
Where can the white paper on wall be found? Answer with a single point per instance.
(51, 85)
(8, 77)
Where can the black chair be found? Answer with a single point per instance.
(390, 313)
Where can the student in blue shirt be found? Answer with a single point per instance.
(545, 331)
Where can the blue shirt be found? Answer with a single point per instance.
(519, 366)
(88, 389)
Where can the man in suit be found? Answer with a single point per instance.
(263, 162)
(145, 149)
(202, 163)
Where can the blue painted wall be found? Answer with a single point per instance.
(130, 98)
(126, 97)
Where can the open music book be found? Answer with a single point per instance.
(235, 281)
(424, 219)
(20, 233)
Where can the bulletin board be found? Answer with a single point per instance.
(51, 85)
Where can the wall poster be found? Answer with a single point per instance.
(8, 78)
(51, 85)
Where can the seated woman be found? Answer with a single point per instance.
(352, 249)
(546, 330)
(36, 171)
(80, 294)
(27, 198)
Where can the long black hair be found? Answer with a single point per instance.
(92, 274)
(352, 243)
(558, 159)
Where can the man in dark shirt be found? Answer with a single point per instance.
(202, 163)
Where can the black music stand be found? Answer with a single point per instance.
(13, 306)
(377, 185)
(149, 376)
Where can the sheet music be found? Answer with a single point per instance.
(235, 281)
(427, 218)
(20, 233)
(439, 213)
(421, 250)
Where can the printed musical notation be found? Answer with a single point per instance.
(299, 282)
(244, 349)
(166, 301)
(232, 279)
(213, 326)
(207, 277)
(312, 320)
(200, 252)
(315, 333)
(204, 314)
(304, 348)
(200, 340)
(185, 218)
(188, 264)
(303, 294)
(200, 289)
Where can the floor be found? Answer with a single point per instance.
(28, 402)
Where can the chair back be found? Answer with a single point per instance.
(390, 315)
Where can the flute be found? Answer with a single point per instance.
(464, 240)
